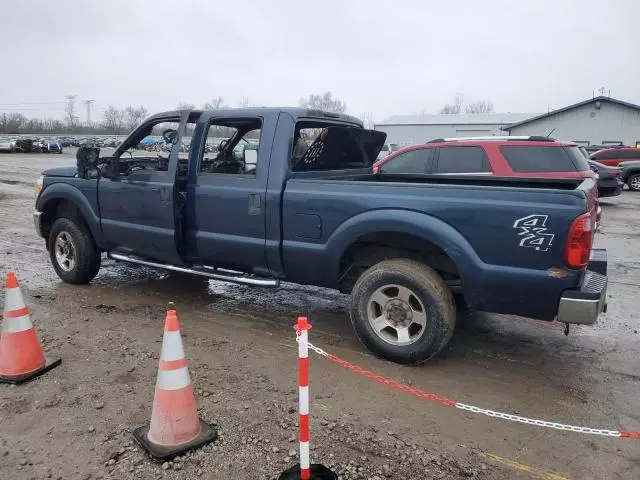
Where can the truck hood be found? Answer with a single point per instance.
(70, 171)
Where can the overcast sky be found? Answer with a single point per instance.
(383, 57)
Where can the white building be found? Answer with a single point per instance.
(414, 129)
(597, 121)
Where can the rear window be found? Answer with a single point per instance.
(629, 154)
(530, 159)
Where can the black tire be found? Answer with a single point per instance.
(86, 254)
(634, 179)
(427, 287)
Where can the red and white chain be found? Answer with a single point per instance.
(470, 408)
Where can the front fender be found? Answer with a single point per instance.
(64, 191)
(403, 221)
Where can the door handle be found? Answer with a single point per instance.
(255, 204)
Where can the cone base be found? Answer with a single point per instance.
(49, 363)
(163, 453)
(318, 472)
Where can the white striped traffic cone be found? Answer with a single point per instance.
(21, 355)
(175, 427)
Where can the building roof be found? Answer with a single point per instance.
(457, 119)
(575, 105)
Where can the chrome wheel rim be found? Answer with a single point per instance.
(635, 183)
(65, 252)
(397, 315)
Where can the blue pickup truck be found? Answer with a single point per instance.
(264, 195)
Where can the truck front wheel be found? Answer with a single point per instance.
(402, 311)
(74, 255)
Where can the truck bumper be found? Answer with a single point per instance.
(37, 222)
(583, 305)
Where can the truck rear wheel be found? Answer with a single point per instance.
(402, 311)
(74, 255)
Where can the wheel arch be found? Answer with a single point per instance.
(413, 234)
(62, 200)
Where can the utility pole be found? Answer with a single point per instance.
(70, 109)
(88, 104)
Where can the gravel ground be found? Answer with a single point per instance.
(76, 421)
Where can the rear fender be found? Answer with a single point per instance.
(408, 222)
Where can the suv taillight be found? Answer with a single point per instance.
(578, 248)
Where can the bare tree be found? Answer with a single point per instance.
(185, 106)
(455, 107)
(481, 106)
(113, 120)
(134, 116)
(69, 109)
(325, 102)
(367, 120)
(215, 104)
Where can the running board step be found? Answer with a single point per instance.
(210, 272)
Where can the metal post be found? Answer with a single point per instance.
(303, 386)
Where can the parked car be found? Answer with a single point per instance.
(7, 146)
(401, 245)
(609, 179)
(631, 174)
(614, 156)
(388, 149)
(508, 156)
(27, 145)
(51, 147)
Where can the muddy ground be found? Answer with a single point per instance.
(76, 421)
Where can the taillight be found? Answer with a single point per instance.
(578, 248)
(615, 173)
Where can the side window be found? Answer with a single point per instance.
(231, 147)
(629, 154)
(462, 160)
(414, 161)
(605, 155)
(149, 150)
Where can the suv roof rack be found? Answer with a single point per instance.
(531, 138)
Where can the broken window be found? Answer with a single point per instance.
(231, 147)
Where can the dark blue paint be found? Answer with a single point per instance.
(298, 226)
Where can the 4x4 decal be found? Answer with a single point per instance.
(534, 232)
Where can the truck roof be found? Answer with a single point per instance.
(295, 112)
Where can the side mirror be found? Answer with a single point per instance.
(169, 136)
(250, 157)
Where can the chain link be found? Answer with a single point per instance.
(318, 350)
(539, 423)
(470, 408)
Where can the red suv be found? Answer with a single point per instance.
(511, 156)
(500, 156)
(613, 156)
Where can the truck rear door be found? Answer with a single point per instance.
(226, 190)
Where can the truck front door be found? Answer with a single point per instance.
(226, 191)
(140, 206)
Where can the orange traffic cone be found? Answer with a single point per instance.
(21, 355)
(175, 427)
